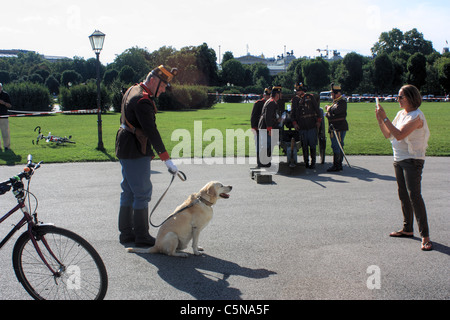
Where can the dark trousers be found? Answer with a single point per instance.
(409, 178)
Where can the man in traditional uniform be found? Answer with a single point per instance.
(134, 142)
(269, 121)
(306, 118)
(254, 119)
(338, 126)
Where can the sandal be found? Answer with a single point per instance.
(401, 234)
(427, 246)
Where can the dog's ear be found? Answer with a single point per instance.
(211, 190)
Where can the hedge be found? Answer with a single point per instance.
(82, 97)
(28, 96)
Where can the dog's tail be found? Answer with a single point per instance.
(137, 250)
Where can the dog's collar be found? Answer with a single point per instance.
(209, 204)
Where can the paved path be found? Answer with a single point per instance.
(314, 235)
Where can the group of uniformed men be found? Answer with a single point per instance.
(306, 118)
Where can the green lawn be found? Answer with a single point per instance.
(364, 137)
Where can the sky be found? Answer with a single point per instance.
(269, 27)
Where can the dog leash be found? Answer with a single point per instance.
(183, 178)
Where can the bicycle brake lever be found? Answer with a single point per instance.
(38, 165)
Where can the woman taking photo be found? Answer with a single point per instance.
(409, 135)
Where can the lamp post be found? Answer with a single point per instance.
(97, 39)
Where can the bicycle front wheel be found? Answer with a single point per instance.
(79, 272)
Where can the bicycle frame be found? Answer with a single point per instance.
(18, 226)
(28, 219)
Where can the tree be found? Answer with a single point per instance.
(52, 84)
(443, 68)
(137, 58)
(227, 56)
(4, 76)
(233, 72)
(109, 76)
(185, 61)
(410, 42)
(128, 75)
(388, 42)
(296, 67)
(351, 72)
(316, 73)
(414, 42)
(260, 74)
(160, 56)
(417, 70)
(383, 73)
(206, 63)
(72, 77)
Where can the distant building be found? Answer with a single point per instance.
(249, 59)
(276, 65)
(14, 53)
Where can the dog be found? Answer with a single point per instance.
(186, 223)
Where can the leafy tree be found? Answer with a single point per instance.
(316, 73)
(128, 75)
(72, 77)
(389, 42)
(261, 75)
(227, 56)
(36, 78)
(4, 76)
(410, 42)
(52, 84)
(109, 76)
(351, 72)
(160, 56)
(206, 63)
(383, 73)
(186, 62)
(417, 70)
(443, 68)
(414, 42)
(233, 72)
(137, 58)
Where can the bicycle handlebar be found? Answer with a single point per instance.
(27, 172)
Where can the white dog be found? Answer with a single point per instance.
(186, 223)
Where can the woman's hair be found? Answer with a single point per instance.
(413, 95)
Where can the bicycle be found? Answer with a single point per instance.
(52, 138)
(51, 263)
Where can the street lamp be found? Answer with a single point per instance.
(97, 39)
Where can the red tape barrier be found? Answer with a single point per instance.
(382, 98)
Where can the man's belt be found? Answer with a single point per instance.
(308, 116)
(339, 119)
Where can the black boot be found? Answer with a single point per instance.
(306, 156)
(126, 225)
(141, 227)
(335, 166)
(313, 159)
(341, 159)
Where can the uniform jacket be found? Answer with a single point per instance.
(337, 115)
(269, 115)
(256, 113)
(140, 111)
(306, 112)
